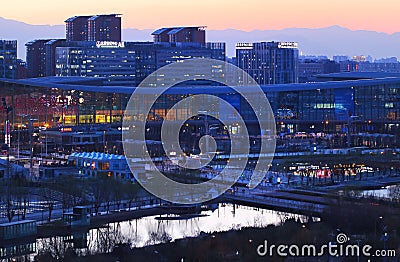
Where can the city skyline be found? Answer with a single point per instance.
(355, 15)
(325, 41)
(199, 130)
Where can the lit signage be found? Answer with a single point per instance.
(288, 45)
(244, 46)
(389, 105)
(66, 129)
(329, 106)
(48, 102)
(324, 106)
(110, 44)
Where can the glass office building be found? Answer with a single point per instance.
(269, 62)
(310, 107)
(8, 58)
(127, 63)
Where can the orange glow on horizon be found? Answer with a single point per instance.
(243, 15)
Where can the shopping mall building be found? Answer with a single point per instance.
(359, 104)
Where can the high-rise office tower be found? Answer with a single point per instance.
(8, 58)
(41, 53)
(22, 71)
(93, 28)
(40, 56)
(192, 34)
(309, 69)
(128, 63)
(36, 58)
(117, 64)
(104, 28)
(269, 62)
(76, 28)
(50, 49)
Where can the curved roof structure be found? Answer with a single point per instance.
(91, 84)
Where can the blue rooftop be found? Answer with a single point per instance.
(175, 30)
(160, 31)
(92, 84)
(358, 75)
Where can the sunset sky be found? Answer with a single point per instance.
(381, 16)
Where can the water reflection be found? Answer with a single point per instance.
(21, 249)
(384, 192)
(158, 229)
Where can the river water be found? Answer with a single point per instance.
(156, 229)
(383, 192)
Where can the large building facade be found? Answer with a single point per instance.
(41, 53)
(180, 35)
(328, 107)
(269, 62)
(94, 28)
(50, 59)
(119, 62)
(36, 58)
(8, 58)
(40, 57)
(93, 48)
(82, 114)
(104, 28)
(128, 63)
(76, 28)
(309, 69)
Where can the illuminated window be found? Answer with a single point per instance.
(105, 166)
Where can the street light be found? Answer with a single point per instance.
(7, 136)
(19, 131)
(30, 129)
(350, 120)
(7, 109)
(384, 239)
(379, 219)
(3, 65)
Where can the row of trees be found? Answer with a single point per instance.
(19, 196)
(14, 199)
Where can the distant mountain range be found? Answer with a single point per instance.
(334, 40)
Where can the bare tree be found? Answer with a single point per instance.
(394, 192)
(49, 198)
